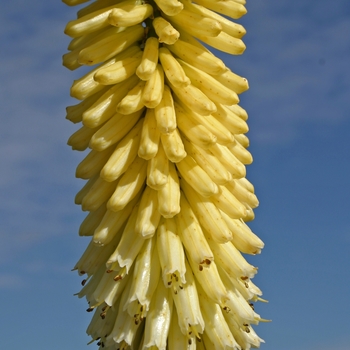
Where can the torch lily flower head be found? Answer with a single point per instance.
(166, 191)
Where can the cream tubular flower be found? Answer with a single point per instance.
(187, 307)
(146, 276)
(171, 254)
(158, 319)
(217, 329)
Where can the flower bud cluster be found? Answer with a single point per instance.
(166, 191)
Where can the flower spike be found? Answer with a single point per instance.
(166, 191)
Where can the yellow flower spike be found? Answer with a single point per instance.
(166, 193)
(245, 335)
(237, 331)
(245, 290)
(256, 290)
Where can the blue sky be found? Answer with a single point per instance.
(297, 63)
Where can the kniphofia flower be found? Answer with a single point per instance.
(166, 191)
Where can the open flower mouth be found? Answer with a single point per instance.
(166, 188)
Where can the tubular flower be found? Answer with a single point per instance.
(166, 189)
